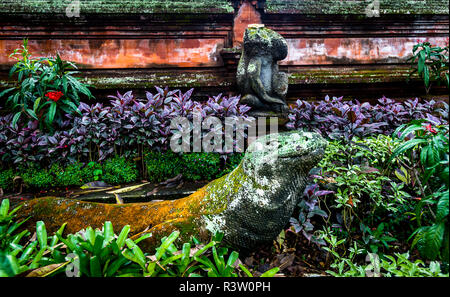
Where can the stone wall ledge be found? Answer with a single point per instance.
(312, 7)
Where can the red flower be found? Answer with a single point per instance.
(54, 95)
(430, 129)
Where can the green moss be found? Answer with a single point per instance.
(115, 6)
(171, 79)
(359, 76)
(356, 7)
(225, 186)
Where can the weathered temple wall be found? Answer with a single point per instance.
(335, 47)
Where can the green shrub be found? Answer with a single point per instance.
(45, 88)
(431, 168)
(37, 178)
(201, 166)
(69, 176)
(119, 170)
(91, 172)
(162, 166)
(431, 64)
(6, 179)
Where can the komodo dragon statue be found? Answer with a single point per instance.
(250, 205)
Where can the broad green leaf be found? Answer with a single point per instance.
(171, 259)
(32, 114)
(433, 240)
(95, 268)
(169, 240)
(205, 248)
(406, 146)
(232, 258)
(138, 254)
(51, 112)
(442, 208)
(15, 119)
(426, 76)
(35, 263)
(9, 265)
(123, 236)
(108, 231)
(28, 251)
(4, 208)
(143, 237)
(112, 269)
(41, 234)
(4, 92)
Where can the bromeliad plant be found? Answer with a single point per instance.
(102, 253)
(46, 89)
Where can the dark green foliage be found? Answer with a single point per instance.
(194, 166)
(201, 166)
(37, 178)
(6, 179)
(69, 176)
(39, 78)
(91, 172)
(430, 63)
(119, 170)
(430, 143)
(162, 165)
(232, 161)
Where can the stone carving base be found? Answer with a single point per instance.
(283, 118)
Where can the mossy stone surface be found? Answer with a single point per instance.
(118, 6)
(356, 6)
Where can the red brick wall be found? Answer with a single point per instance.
(335, 54)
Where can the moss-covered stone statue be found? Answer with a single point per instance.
(250, 205)
(261, 84)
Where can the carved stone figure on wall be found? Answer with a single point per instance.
(262, 85)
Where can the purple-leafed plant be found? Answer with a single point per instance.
(308, 208)
(125, 127)
(338, 119)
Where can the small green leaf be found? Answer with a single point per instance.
(271, 272)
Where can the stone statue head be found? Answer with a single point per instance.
(259, 40)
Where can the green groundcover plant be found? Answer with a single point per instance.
(120, 170)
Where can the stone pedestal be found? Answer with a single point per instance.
(282, 118)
